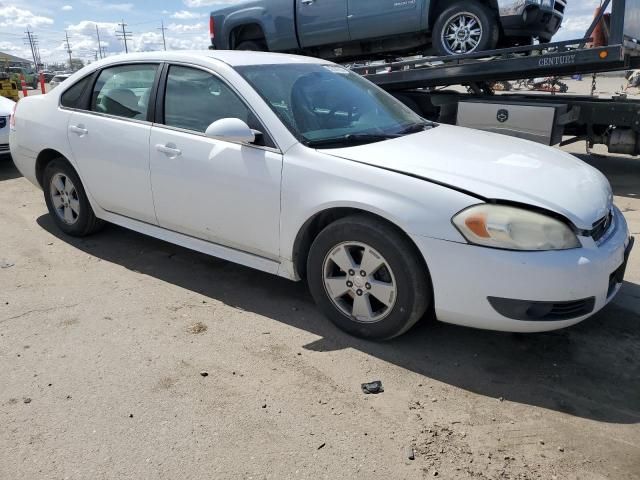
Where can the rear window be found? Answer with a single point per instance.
(124, 90)
(74, 96)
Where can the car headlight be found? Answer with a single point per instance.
(512, 228)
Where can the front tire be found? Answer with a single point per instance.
(368, 278)
(67, 201)
(466, 27)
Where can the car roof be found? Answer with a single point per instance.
(234, 58)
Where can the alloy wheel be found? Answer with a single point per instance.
(462, 33)
(359, 282)
(64, 198)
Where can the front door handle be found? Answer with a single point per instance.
(78, 130)
(307, 2)
(169, 150)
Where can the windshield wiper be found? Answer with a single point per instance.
(351, 139)
(418, 127)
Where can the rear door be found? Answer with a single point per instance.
(382, 18)
(110, 141)
(322, 22)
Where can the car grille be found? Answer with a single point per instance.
(601, 227)
(560, 6)
(569, 310)
(534, 311)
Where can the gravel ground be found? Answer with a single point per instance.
(104, 342)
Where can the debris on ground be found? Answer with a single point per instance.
(5, 264)
(372, 387)
(410, 453)
(204, 373)
(322, 445)
(26, 400)
(197, 328)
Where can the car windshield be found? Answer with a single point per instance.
(328, 106)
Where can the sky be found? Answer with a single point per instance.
(186, 22)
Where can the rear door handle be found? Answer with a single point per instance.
(78, 130)
(169, 150)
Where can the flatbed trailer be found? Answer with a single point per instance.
(545, 118)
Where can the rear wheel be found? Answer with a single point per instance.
(253, 45)
(67, 201)
(466, 27)
(368, 278)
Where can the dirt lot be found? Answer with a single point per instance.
(103, 341)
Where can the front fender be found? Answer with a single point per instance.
(313, 182)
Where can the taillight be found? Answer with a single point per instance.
(212, 25)
(12, 120)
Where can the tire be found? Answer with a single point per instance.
(252, 45)
(402, 280)
(471, 10)
(75, 216)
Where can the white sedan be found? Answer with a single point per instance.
(298, 167)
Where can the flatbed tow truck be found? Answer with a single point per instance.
(546, 118)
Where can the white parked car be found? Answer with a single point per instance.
(298, 167)
(6, 109)
(57, 80)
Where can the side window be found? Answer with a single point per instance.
(195, 99)
(74, 96)
(124, 91)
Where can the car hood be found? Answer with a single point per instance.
(494, 167)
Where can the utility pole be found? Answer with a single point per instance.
(32, 41)
(124, 35)
(69, 51)
(99, 44)
(162, 29)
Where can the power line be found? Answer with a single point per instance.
(163, 29)
(100, 50)
(32, 41)
(69, 51)
(124, 35)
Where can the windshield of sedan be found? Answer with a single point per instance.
(328, 106)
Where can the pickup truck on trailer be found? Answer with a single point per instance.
(357, 29)
(550, 119)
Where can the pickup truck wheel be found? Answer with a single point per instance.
(466, 27)
(368, 278)
(252, 45)
(67, 201)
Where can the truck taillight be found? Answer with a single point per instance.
(212, 26)
(12, 119)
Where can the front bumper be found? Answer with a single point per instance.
(466, 278)
(534, 21)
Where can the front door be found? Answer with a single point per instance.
(322, 22)
(110, 142)
(223, 192)
(383, 18)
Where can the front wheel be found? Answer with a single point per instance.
(368, 278)
(466, 27)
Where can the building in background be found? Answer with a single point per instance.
(14, 61)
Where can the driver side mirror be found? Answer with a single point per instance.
(231, 130)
